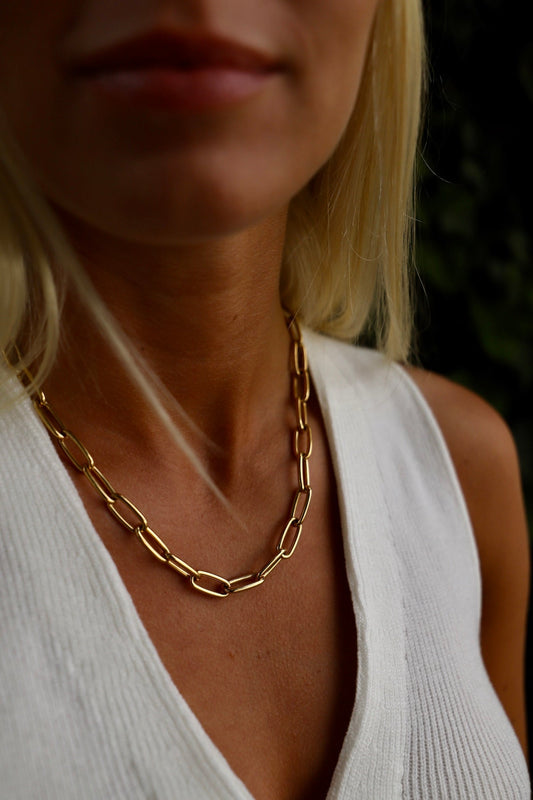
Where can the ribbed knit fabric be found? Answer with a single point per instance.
(87, 710)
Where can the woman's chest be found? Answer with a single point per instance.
(269, 673)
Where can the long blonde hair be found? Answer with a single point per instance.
(349, 242)
(345, 268)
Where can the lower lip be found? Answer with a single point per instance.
(190, 90)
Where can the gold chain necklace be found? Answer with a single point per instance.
(134, 521)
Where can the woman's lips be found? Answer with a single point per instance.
(173, 72)
(170, 89)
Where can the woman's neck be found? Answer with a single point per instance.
(206, 318)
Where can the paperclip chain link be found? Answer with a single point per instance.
(126, 513)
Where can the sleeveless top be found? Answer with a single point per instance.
(87, 709)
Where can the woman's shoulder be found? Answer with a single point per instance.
(485, 458)
(479, 440)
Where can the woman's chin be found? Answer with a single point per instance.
(170, 225)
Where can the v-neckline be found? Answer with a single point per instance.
(338, 405)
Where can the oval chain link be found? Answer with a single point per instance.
(134, 521)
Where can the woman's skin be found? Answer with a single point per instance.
(178, 215)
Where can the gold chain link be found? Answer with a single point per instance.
(133, 520)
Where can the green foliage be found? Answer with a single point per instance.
(474, 249)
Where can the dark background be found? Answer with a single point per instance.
(474, 245)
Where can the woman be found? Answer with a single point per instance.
(174, 174)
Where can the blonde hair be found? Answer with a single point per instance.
(345, 268)
(349, 238)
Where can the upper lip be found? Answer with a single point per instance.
(172, 51)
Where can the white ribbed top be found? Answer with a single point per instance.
(87, 710)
